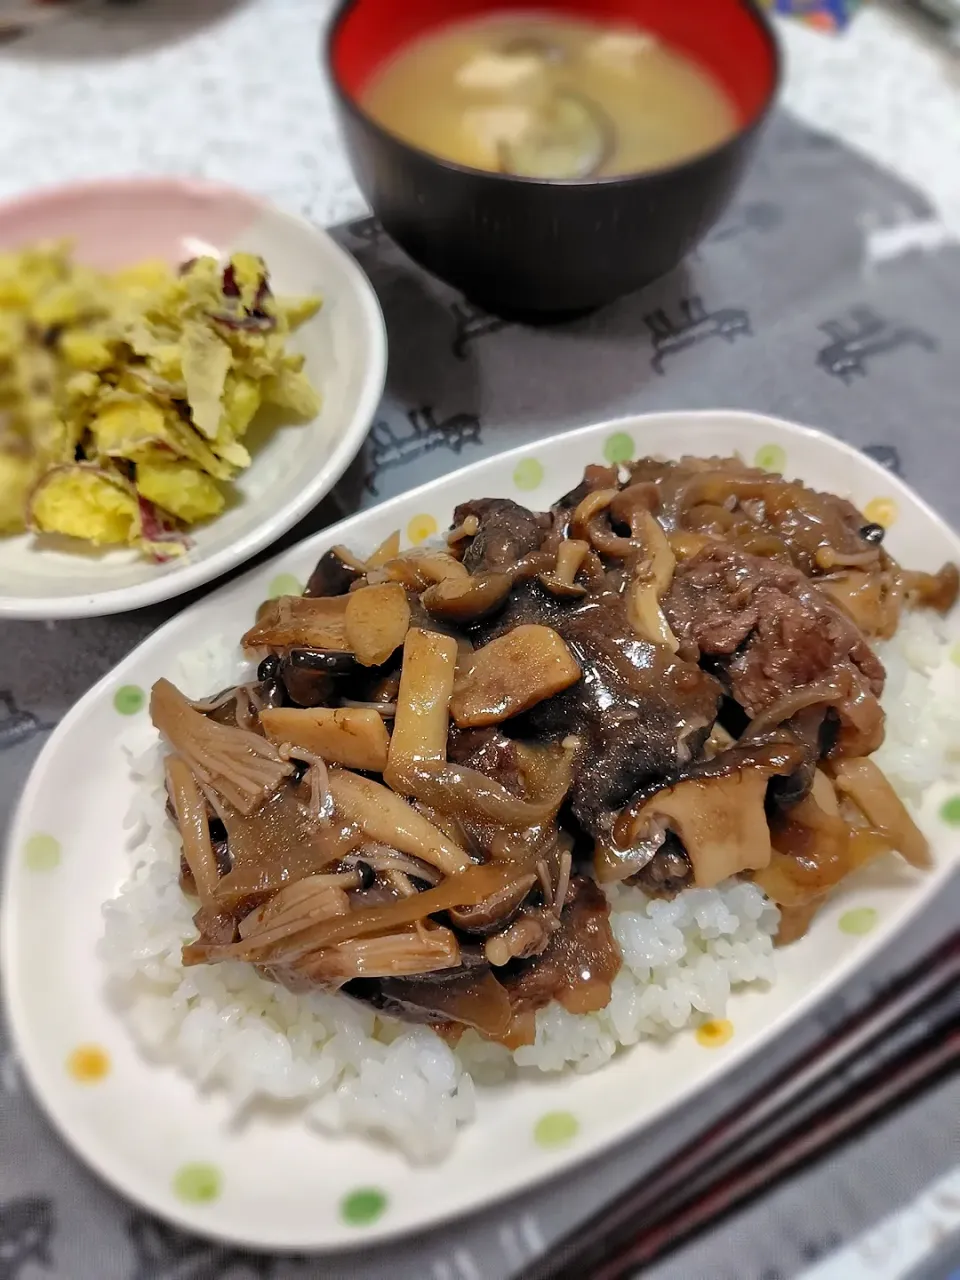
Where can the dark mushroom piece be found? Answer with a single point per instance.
(309, 675)
(467, 599)
(815, 730)
(468, 996)
(561, 580)
(334, 574)
(269, 668)
(571, 138)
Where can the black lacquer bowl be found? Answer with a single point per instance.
(531, 246)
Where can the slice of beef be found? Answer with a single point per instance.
(769, 631)
(578, 965)
(507, 533)
(490, 752)
(493, 754)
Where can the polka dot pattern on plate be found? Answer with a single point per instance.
(88, 1064)
(619, 448)
(42, 852)
(198, 1183)
(362, 1207)
(284, 584)
(950, 811)
(771, 457)
(556, 1129)
(528, 474)
(129, 699)
(421, 528)
(715, 1033)
(882, 511)
(858, 921)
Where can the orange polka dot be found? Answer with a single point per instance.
(882, 511)
(715, 1033)
(421, 528)
(88, 1064)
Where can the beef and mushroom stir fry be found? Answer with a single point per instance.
(666, 680)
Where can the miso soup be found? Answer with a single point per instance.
(547, 96)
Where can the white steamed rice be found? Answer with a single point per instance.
(356, 1071)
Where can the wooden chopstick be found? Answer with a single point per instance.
(908, 1031)
(890, 1089)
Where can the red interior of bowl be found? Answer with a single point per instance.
(723, 35)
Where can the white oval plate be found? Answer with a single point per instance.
(114, 223)
(283, 1186)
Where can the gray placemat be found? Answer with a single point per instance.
(797, 305)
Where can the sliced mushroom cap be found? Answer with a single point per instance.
(377, 618)
(571, 137)
(467, 599)
(299, 622)
(351, 736)
(418, 569)
(511, 674)
(717, 811)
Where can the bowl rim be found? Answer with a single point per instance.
(743, 134)
(264, 532)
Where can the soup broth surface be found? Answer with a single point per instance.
(548, 96)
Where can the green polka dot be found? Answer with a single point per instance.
(771, 457)
(858, 921)
(950, 811)
(129, 699)
(198, 1183)
(555, 1128)
(284, 584)
(362, 1207)
(528, 474)
(42, 852)
(955, 654)
(619, 447)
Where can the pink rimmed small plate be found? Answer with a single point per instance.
(115, 223)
